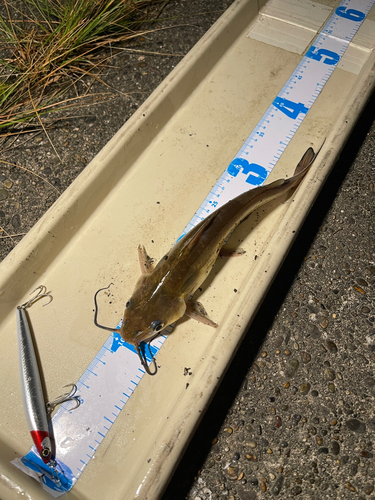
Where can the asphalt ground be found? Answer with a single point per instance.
(294, 416)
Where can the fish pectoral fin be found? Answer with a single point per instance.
(146, 263)
(225, 252)
(196, 310)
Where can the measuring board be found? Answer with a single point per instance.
(115, 372)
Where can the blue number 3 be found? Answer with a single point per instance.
(258, 174)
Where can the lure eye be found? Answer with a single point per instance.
(128, 304)
(157, 325)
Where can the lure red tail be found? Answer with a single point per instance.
(43, 444)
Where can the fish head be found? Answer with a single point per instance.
(150, 309)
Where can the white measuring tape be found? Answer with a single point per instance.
(115, 372)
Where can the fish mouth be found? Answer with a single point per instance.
(138, 336)
(145, 337)
(134, 338)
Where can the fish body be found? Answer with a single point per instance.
(163, 294)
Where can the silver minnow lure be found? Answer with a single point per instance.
(36, 408)
(31, 385)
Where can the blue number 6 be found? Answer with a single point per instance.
(351, 14)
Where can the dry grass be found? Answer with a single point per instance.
(47, 46)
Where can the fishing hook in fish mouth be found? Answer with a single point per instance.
(64, 398)
(143, 359)
(41, 293)
(141, 354)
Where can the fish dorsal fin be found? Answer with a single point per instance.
(185, 245)
(191, 238)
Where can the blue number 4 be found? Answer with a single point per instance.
(290, 108)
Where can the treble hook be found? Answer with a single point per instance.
(64, 398)
(52, 465)
(42, 293)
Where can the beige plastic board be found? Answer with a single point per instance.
(144, 187)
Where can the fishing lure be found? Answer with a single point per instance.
(36, 409)
(163, 294)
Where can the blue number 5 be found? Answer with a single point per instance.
(317, 54)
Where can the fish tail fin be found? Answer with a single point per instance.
(307, 159)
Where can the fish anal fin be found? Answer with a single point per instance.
(196, 310)
(226, 252)
(146, 263)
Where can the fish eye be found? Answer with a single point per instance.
(128, 304)
(157, 325)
